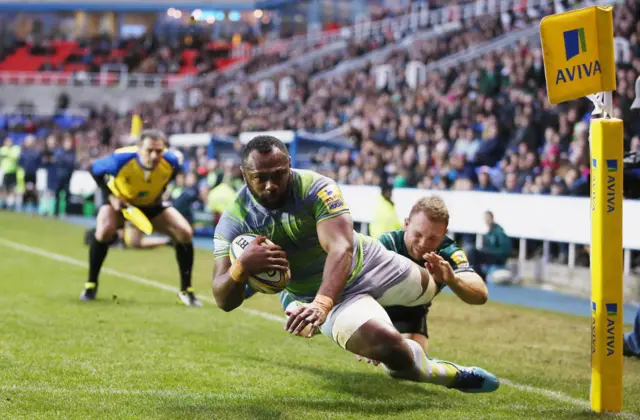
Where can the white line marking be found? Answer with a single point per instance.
(553, 395)
(189, 394)
(548, 393)
(126, 276)
(561, 397)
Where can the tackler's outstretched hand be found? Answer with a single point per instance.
(439, 268)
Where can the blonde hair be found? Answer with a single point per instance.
(433, 207)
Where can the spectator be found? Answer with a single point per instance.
(48, 163)
(9, 158)
(632, 339)
(64, 163)
(30, 162)
(385, 218)
(188, 194)
(219, 199)
(484, 180)
(437, 135)
(496, 248)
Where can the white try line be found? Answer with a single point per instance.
(136, 279)
(184, 394)
(553, 395)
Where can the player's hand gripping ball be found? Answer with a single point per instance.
(265, 261)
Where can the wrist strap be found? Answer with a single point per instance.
(325, 303)
(236, 272)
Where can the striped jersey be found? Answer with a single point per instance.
(312, 199)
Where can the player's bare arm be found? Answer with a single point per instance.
(336, 238)
(228, 293)
(467, 285)
(230, 279)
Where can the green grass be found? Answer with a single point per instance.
(135, 353)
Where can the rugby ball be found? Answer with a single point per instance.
(270, 282)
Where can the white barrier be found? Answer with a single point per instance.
(541, 217)
(285, 136)
(195, 139)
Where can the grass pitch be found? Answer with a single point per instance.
(135, 353)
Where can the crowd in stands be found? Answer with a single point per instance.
(484, 125)
(187, 49)
(169, 49)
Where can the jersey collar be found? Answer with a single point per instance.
(140, 163)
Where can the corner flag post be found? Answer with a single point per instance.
(579, 61)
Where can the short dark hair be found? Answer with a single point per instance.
(262, 144)
(153, 134)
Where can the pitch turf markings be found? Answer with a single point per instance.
(549, 394)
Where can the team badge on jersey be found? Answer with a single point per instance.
(332, 199)
(460, 258)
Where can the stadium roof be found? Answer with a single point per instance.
(125, 5)
(272, 4)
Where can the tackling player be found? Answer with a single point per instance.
(343, 277)
(425, 242)
(138, 176)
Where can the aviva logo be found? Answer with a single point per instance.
(612, 315)
(575, 43)
(612, 169)
(593, 327)
(612, 165)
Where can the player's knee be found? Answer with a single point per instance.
(184, 234)
(106, 231)
(380, 342)
(392, 345)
